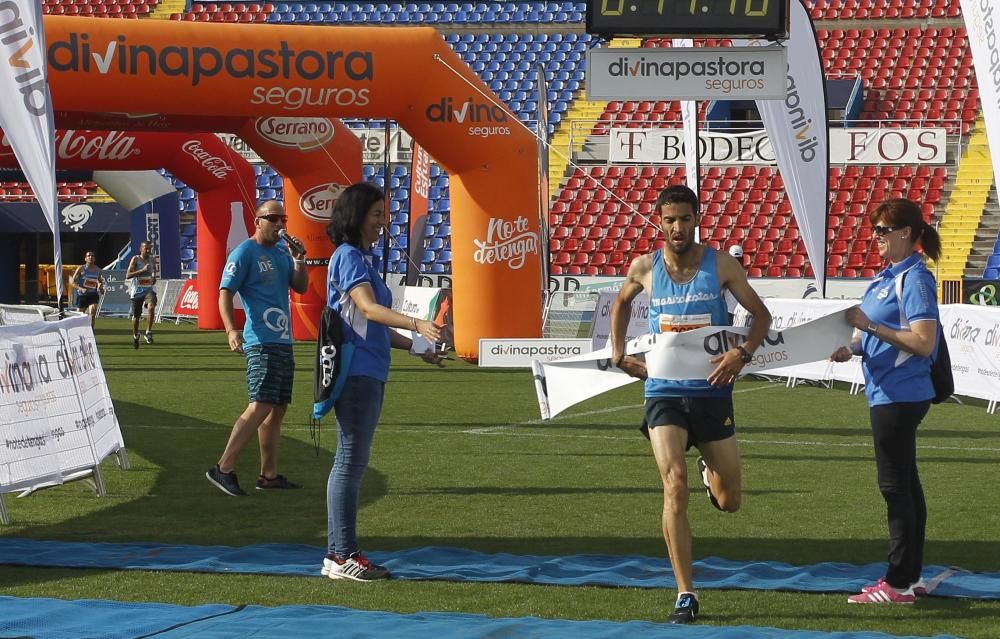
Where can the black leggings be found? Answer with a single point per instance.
(894, 429)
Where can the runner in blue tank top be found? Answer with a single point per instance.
(686, 283)
(89, 285)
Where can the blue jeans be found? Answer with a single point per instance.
(357, 411)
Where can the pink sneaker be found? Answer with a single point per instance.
(882, 593)
(919, 588)
(875, 586)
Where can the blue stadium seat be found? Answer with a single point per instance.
(993, 261)
(991, 274)
(189, 230)
(187, 255)
(444, 256)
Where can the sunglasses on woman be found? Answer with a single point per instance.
(882, 231)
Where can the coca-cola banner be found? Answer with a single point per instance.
(847, 146)
(80, 145)
(187, 301)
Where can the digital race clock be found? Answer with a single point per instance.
(679, 18)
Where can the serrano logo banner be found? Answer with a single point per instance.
(296, 133)
(317, 203)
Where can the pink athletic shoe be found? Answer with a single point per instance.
(882, 593)
(919, 588)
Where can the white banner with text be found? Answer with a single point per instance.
(56, 415)
(722, 73)
(566, 382)
(847, 146)
(519, 353)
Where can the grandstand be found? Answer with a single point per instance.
(909, 59)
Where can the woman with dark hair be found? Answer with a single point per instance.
(897, 335)
(364, 302)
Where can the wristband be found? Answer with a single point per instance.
(413, 324)
(745, 356)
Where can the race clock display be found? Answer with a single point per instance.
(686, 18)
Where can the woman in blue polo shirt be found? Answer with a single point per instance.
(897, 330)
(364, 302)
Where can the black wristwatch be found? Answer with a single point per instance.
(744, 354)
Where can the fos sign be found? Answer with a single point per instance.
(725, 73)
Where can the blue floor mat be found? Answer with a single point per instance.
(456, 564)
(58, 619)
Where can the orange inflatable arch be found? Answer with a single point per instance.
(406, 74)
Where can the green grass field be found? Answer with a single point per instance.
(461, 459)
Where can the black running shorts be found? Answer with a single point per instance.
(706, 419)
(86, 300)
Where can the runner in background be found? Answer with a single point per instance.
(89, 286)
(141, 276)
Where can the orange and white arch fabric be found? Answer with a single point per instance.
(406, 74)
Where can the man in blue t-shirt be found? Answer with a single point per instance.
(261, 270)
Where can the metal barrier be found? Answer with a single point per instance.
(569, 315)
(167, 302)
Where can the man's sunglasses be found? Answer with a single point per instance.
(882, 231)
(274, 218)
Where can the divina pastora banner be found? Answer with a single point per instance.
(566, 382)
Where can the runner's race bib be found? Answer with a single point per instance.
(684, 323)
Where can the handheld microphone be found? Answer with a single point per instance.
(294, 243)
